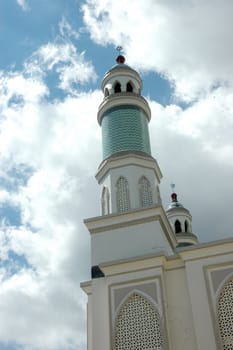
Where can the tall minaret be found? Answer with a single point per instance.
(128, 175)
(133, 222)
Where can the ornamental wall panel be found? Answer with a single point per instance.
(220, 286)
(138, 319)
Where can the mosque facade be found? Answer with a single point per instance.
(153, 285)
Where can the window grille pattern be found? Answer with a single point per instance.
(138, 326)
(145, 192)
(122, 195)
(105, 201)
(225, 316)
(125, 128)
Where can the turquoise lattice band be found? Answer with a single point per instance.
(125, 128)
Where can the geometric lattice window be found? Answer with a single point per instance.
(122, 195)
(225, 316)
(105, 201)
(145, 192)
(138, 325)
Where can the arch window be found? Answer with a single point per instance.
(145, 192)
(138, 325)
(122, 195)
(225, 315)
(177, 226)
(129, 87)
(186, 226)
(105, 201)
(106, 92)
(117, 87)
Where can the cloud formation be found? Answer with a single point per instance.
(45, 178)
(187, 41)
(61, 57)
(23, 4)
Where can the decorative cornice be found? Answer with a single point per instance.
(86, 287)
(208, 249)
(123, 99)
(178, 211)
(133, 217)
(126, 159)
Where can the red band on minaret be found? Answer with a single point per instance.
(174, 197)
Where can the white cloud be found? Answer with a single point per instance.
(23, 4)
(51, 238)
(194, 150)
(62, 57)
(48, 143)
(45, 302)
(67, 30)
(187, 41)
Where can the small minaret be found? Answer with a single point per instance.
(181, 222)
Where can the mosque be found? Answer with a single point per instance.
(153, 285)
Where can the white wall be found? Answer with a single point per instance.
(128, 242)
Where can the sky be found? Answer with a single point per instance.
(54, 54)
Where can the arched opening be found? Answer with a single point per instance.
(186, 226)
(224, 314)
(105, 201)
(129, 87)
(177, 226)
(117, 87)
(145, 193)
(138, 325)
(122, 195)
(106, 92)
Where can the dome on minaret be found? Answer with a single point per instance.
(174, 202)
(181, 222)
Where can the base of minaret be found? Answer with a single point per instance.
(131, 234)
(186, 239)
(140, 174)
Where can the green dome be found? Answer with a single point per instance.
(125, 128)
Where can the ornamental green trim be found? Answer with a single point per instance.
(125, 128)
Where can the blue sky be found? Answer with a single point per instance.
(53, 56)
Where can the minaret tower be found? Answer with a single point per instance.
(133, 221)
(181, 222)
(128, 176)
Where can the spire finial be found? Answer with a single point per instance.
(173, 187)
(173, 195)
(119, 49)
(120, 58)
